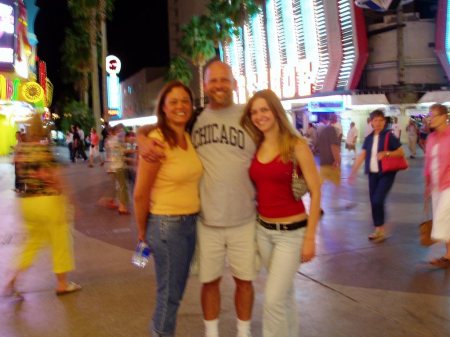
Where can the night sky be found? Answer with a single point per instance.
(131, 29)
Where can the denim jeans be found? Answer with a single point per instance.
(172, 243)
(379, 186)
(280, 255)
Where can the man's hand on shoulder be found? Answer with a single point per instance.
(150, 149)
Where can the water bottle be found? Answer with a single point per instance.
(141, 255)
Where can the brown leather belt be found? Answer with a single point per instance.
(283, 226)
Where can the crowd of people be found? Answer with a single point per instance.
(223, 190)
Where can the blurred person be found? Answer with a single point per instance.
(286, 234)
(226, 225)
(69, 142)
(166, 200)
(395, 127)
(82, 140)
(44, 208)
(424, 130)
(334, 120)
(117, 167)
(380, 183)
(351, 139)
(437, 179)
(93, 150)
(368, 129)
(412, 131)
(311, 134)
(78, 145)
(19, 186)
(131, 158)
(103, 152)
(329, 152)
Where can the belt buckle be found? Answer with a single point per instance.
(282, 227)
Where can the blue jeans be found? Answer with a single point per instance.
(172, 242)
(379, 186)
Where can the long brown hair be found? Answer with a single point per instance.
(288, 136)
(168, 133)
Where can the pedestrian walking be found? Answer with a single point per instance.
(437, 179)
(380, 182)
(424, 130)
(351, 139)
(412, 131)
(117, 166)
(396, 130)
(44, 208)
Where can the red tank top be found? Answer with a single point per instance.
(273, 188)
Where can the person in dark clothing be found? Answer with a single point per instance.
(380, 182)
(78, 146)
(105, 134)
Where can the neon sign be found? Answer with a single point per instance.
(7, 24)
(14, 90)
(113, 66)
(287, 82)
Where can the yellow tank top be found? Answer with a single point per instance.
(176, 188)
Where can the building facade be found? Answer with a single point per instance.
(24, 87)
(331, 56)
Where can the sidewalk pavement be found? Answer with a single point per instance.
(353, 288)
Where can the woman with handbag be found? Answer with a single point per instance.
(377, 147)
(286, 234)
(437, 179)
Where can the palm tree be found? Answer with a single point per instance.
(179, 70)
(75, 58)
(105, 9)
(227, 16)
(198, 46)
(92, 14)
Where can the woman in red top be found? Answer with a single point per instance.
(286, 234)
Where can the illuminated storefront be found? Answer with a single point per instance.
(301, 48)
(20, 94)
(114, 94)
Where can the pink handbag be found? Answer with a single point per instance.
(392, 164)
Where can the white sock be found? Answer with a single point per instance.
(211, 328)
(243, 328)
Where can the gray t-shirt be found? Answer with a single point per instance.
(327, 137)
(227, 194)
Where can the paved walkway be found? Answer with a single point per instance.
(353, 287)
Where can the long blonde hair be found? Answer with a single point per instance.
(287, 137)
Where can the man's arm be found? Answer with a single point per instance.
(152, 150)
(335, 149)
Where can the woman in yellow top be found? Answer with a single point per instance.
(166, 203)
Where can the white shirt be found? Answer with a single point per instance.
(69, 137)
(81, 133)
(396, 130)
(373, 156)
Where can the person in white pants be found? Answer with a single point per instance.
(285, 234)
